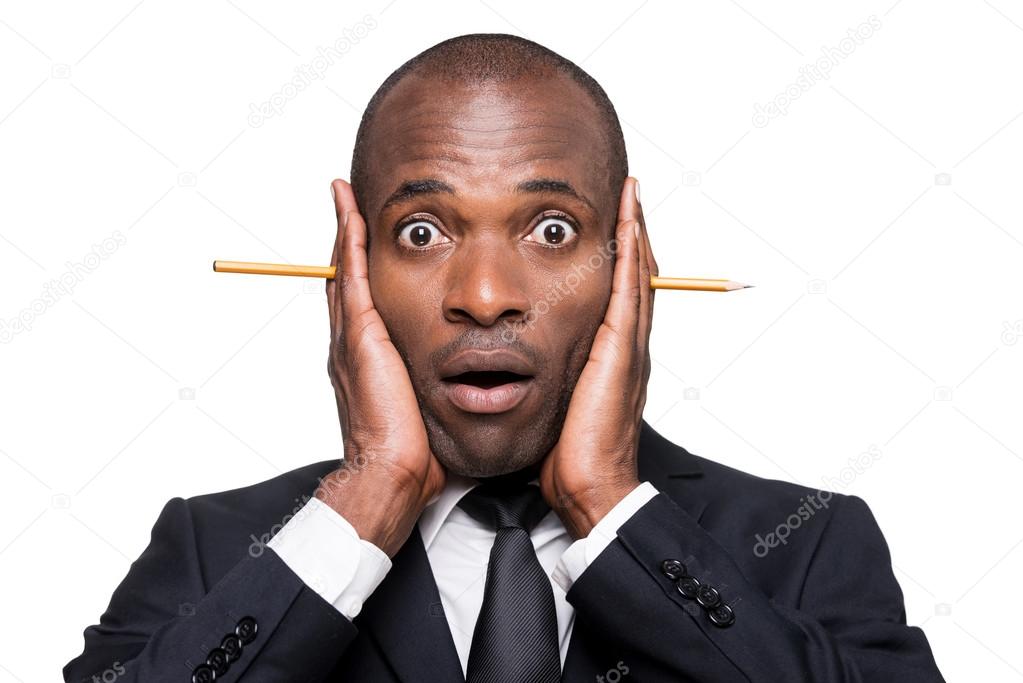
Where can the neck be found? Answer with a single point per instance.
(522, 476)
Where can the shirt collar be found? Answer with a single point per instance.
(439, 509)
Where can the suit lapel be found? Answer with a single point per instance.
(670, 468)
(405, 617)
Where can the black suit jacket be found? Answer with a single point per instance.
(823, 607)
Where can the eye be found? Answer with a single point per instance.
(419, 234)
(553, 230)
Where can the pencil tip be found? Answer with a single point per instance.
(747, 286)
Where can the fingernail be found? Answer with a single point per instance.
(344, 219)
(333, 195)
(635, 229)
(636, 185)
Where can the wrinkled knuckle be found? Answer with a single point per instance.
(633, 292)
(347, 282)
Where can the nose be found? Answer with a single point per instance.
(486, 285)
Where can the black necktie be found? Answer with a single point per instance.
(516, 635)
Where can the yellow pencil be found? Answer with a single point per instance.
(656, 282)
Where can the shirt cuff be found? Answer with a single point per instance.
(583, 552)
(325, 551)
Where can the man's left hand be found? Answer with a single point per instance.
(593, 465)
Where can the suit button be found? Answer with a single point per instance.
(217, 660)
(232, 647)
(246, 630)
(203, 674)
(708, 597)
(722, 616)
(688, 586)
(673, 569)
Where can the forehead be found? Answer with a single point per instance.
(487, 138)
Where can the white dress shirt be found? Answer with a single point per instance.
(324, 550)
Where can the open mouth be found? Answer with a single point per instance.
(487, 391)
(486, 379)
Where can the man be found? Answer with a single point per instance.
(503, 512)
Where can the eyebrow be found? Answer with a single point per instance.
(410, 189)
(553, 186)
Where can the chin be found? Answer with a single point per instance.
(481, 463)
(485, 450)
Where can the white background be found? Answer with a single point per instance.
(879, 218)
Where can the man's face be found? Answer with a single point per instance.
(490, 214)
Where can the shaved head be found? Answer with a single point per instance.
(476, 60)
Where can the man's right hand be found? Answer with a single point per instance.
(389, 473)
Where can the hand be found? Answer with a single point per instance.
(389, 473)
(593, 465)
